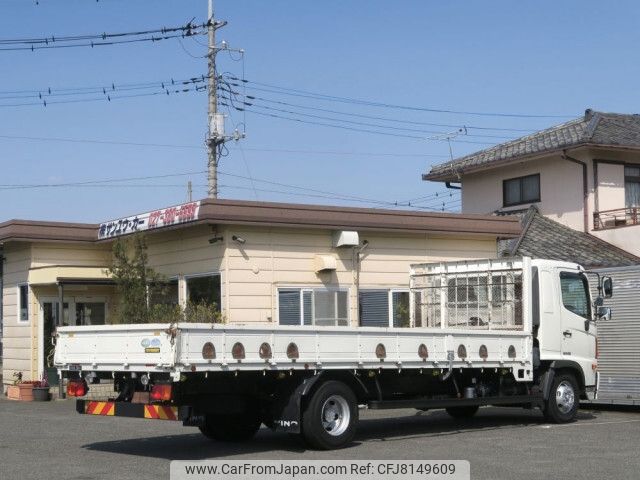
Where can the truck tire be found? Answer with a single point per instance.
(462, 412)
(330, 417)
(230, 428)
(562, 404)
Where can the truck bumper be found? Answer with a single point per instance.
(132, 410)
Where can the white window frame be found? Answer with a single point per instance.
(19, 304)
(390, 292)
(185, 288)
(304, 289)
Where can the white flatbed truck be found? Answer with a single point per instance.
(514, 332)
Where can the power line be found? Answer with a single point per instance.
(372, 117)
(105, 98)
(93, 182)
(111, 87)
(103, 39)
(344, 127)
(302, 191)
(319, 96)
(353, 122)
(309, 195)
(345, 153)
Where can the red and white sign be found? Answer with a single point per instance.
(187, 212)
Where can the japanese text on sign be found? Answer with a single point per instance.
(186, 212)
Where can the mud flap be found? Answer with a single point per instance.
(286, 411)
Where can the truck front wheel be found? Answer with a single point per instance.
(230, 428)
(330, 417)
(562, 404)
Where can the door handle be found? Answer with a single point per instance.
(567, 333)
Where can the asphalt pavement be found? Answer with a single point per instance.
(51, 441)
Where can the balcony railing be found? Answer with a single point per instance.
(619, 217)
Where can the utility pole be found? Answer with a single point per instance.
(212, 137)
(215, 130)
(189, 191)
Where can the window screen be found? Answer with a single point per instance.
(289, 307)
(374, 308)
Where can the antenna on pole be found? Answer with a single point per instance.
(215, 126)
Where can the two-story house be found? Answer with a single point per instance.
(583, 174)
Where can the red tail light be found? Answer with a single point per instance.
(77, 388)
(161, 392)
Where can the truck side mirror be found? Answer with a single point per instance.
(607, 287)
(604, 313)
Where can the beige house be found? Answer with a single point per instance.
(584, 174)
(260, 262)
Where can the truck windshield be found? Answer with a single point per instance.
(575, 293)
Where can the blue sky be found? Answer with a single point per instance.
(539, 58)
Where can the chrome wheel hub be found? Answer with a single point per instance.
(335, 415)
(565, 397)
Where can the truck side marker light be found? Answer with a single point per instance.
(511, 353)
(208, 351)
(237, 352)
(462, 351)
(292, 351)
(483, 353)
(381, 352)
(423, 352)
(265, 351)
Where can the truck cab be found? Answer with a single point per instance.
(563, 318)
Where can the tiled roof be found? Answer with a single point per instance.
(595, 128)
(545, 238)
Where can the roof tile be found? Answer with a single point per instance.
(595, 128)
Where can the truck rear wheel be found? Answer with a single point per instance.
(463, 412)
(562, 404)
(330, 417)
(230, 428)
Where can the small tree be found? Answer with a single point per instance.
(135, 280)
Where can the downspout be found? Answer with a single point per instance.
(357, 257)
(585, 188)
(453, 187)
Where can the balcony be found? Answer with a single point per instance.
(619, 217)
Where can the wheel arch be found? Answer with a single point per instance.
(348, 378)
(563, 366)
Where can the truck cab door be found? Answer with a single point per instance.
(578, 329)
